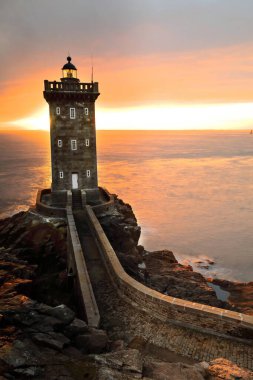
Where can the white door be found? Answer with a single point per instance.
(74, 181)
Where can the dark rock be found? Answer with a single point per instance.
(62, 312)
(128, 361)
(43, 308)
(53, 340)
(76, 327)
(241, 294)
(117, 345)
(47, 324)
(21, 353)
(93, 342)
(27, 319)
(29, 371)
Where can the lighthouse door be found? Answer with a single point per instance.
(74, 181)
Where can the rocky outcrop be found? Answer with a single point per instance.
(41, 336)
(241, 294)
(159, 269)
(36, 337)
(226, 370)
(33, 259)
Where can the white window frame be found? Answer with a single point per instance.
(86, 111)
(73, 144)
(61, 175)
(72, 113)
(87, 142)
(88, 174)
(59, 143)
(58, 110)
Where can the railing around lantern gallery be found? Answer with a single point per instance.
(71, 86)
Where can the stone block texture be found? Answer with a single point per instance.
(73, 135)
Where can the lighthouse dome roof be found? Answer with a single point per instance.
(69, 65)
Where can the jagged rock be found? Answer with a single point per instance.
(241, 294)
(53, 340)
(129, 361)
(43, 308)
(20, 353)
(46, 324)
(93, 342)
(29, 371)
(76, 327)
(117, 345)
(105, 373)
(224, 369)
(27, 318)
(62, 312)
(159, 269)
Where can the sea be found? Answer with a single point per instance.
(191, 191)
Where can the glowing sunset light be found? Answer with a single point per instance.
(165, 65)
(178, 117)
(37, 121)
(171, 117)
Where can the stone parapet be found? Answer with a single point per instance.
(107, 204)
(54, 211)
(47, 209)
(77, 268)
(177, 311)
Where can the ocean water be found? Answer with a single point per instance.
(192, 192)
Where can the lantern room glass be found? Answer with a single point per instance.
(69, 73)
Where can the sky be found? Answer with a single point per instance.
(160, 64)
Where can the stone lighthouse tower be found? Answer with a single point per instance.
(73, 135)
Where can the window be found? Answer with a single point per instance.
(58, 111)
(59, 143)
(87, 142)
(61, 174)
(88, 173)
(86, 111)
(73, 145)
(72, 113)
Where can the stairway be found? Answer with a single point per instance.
(76, 199)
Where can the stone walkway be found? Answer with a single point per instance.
(124, 321)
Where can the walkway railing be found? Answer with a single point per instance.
(84, 289)
(188, 314)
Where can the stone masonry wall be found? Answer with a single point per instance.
(168, 309)
(65, 159)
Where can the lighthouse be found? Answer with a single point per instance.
(72, 135)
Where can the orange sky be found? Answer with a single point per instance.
(139, 70)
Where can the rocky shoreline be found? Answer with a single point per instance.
(41, 335)
(161, 271)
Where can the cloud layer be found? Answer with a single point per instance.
(143, 50)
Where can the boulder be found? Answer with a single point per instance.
(105, 373)
(226, 370)
(117, 345)
(53, 340)
(19, 354)
(47, 324)
(29, 372)
(95, 341)
(62, 312)
(128, 361)
(76, 327)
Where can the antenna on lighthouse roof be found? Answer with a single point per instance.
(91, 68)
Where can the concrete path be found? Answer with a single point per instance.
(124, 321)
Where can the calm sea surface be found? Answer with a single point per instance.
(192, 192)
